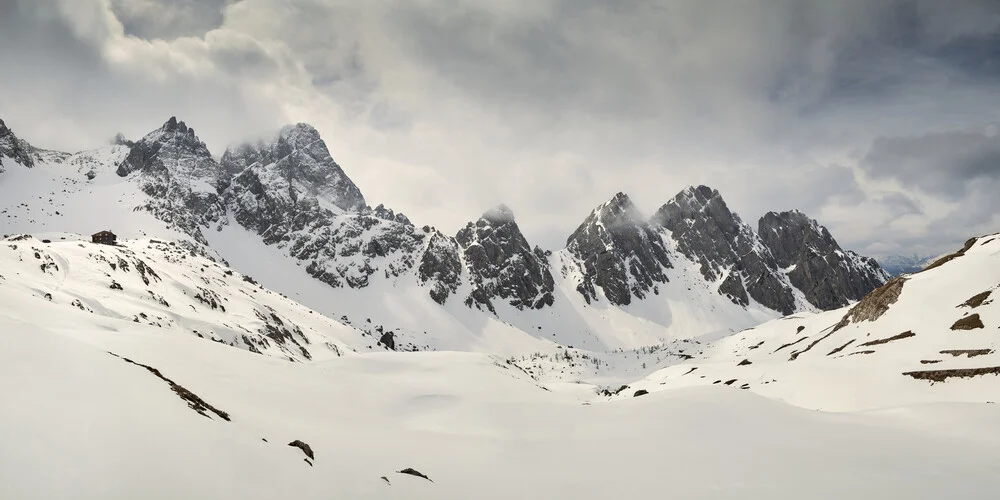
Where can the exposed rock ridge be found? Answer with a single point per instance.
(726, 250)
(502, 265)
(618, 252)
(828, 276)
(13, 148)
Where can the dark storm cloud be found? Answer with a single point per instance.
(947, 164)
(442, 108)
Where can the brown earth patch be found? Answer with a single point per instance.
(977, 299)
(790, 344)
(904, 335)
(810, 346)
(970, 322)
(942, 375)
(950, 257)
(193, 400)
(875, 304)
(841, 348)
(970, 353)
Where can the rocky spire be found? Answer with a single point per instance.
(502, 265)
(828, 276)
(618, 253)
(298, 156)
(13, 148)
(726, 250)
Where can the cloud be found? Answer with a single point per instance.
(444, 108)
(168, 20)
(949, 164)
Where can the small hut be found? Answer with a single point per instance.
(104, 238)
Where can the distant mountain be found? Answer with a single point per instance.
(895, 265)
(285, 210)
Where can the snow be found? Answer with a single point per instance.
(80, 423)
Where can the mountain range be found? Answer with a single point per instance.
(692, 268)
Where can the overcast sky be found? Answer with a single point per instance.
(881, 119)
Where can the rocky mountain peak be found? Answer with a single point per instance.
(697, 203)
(296, 162)
(172, 149)
(618, 252)
(499, 214)
(174, 167)
(618, 210)
(13, 148)
(299, 135)
(790, 233)
(725, 248)
(827, 275)
(388, 214)
(502, 265)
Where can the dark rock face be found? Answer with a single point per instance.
(179, 174)
(828, 276)
(708, 233)
(304, 447)
(14, 149)
(388, 339)
(347, 250)
(298, 165)
(502, 265)
(290, 191)
(619, 253)
(440, 267)
(387, 214)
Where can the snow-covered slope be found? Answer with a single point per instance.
(925, 337)
(160, 284)
(92, 412)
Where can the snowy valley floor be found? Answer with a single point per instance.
(77, 422)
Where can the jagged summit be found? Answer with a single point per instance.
(299, 134)
(13, 148)
(172, 148)
(502, 264)
(619, 253)
(827, 275)
(296, 157)
(499, 214)
(726, 250)
(694, 201)
(618, 210)
(388, 214)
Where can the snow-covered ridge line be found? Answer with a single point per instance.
(288, 194)
(163, 285)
